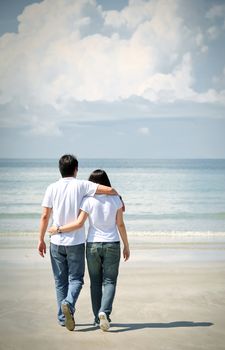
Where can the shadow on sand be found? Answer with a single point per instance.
(125, 327)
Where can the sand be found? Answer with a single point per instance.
(170, 295)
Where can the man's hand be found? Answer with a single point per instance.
(46, 212)
(42, 248)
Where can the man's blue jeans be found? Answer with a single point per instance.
(103, 265)
(68, 265)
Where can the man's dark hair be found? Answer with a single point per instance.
(100, 177)
(67, 165)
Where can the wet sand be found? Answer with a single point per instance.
(170, 295)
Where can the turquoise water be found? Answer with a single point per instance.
(160, 195)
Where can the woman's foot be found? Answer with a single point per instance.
(104, 323)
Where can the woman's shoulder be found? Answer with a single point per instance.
(87, 200)
(114, 200)
(111, 198)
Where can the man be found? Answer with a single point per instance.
(62, 199)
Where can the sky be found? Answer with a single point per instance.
(112, 79)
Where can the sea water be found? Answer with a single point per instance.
(160, 195)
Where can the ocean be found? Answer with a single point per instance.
(160, 195)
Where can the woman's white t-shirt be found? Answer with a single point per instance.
(102, 210)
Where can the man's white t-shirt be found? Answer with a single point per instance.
(102, 210)
(65, 197)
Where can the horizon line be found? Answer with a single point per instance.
(111, 158)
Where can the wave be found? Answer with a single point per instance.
(218, 216)
(177, 216)
(195, 234)
(19, 215)
(141, 216)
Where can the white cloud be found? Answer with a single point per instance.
(213, 32)
(204, 49)
(120, 133)
(172, 86)
(45, 127)
(216, 11)
(131, 16)
(219, 81)
(199, 39)
(216, 15)
(68, 52)
(200, 42)
(143, 131)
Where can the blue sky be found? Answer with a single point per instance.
(143, 79)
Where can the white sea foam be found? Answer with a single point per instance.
(177, 234)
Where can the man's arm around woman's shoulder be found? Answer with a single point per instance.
(101, 189)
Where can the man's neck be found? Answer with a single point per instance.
(68, 177)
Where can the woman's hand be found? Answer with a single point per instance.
(126, 253)
(52, 230)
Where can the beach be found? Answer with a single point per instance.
(170, 295)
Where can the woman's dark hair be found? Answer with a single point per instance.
(67, 165)
(100, 177)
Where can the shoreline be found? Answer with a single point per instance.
(144, 239)
(149, 234)
(155, 248)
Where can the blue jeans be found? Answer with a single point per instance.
(103, 266)
(68, 263)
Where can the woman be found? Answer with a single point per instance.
(105, 215)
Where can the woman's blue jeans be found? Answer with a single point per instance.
(103, 265)
(68, 263)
